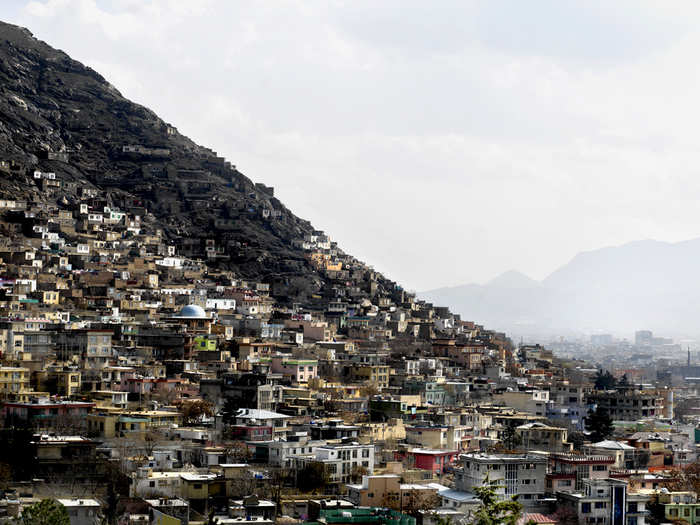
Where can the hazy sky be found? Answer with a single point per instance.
(442, 142)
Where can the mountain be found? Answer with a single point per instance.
(642, 284)
(513, 279)
(59, 116)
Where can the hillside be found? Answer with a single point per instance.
(59, 116)
(642, 284)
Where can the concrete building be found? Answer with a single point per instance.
(82, 511)
(539, 436)
(343, 460)
(629, 405)
(605, 502)
(388, 491)
(513, 474)
(569, 471)
(13, 380)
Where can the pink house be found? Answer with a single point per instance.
(434, 460)
(299, 370)
(145, 385)
(45, 412)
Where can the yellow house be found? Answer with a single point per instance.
(387, 491)
(334, 266)
(377, 374)
(195, 486)
(392, 429)
(13, 380)
(50, 297)
(318, 259)
(131, 424)
(102, 425)
(68, 382)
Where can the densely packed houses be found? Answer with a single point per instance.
(141, 384)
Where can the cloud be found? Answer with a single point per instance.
(443, 144)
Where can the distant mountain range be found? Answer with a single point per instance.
(640, 285)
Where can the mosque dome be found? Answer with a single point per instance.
(193, 311)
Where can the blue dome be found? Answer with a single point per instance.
(193, 311)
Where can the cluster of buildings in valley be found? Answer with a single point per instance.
(142, 384)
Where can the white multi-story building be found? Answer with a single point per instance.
(605, 502)
(82, 511)
(511, 474)
(282, 453)
(343, 460)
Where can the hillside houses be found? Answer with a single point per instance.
(120, 346)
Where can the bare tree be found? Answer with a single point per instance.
(238, 452)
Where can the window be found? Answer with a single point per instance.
(585, 508)
(600, 468)
(601, 504)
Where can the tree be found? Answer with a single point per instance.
(166, 396)
(623, 382)
(657, 511)
(117, 482)
(576, 439)
(417, 502)
(312, 477)
(276, 480)
(565, 516)
(604, 380)
(357, 472)
(229, 410)
(599, 424)
(17, 451)
(511, 439)
(493, 510)
(369, 389)
(194, 411)
(685, 479)
(46, 512)
(238, 452)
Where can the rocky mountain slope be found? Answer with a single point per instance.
(60, 116)
(639, 285)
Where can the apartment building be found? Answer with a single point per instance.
(629, 405)
(569, 471)
(605, 502)
(13, 380)
(343, 460)
(511, 474)
(387, 491)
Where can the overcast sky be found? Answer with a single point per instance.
(442, 142)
